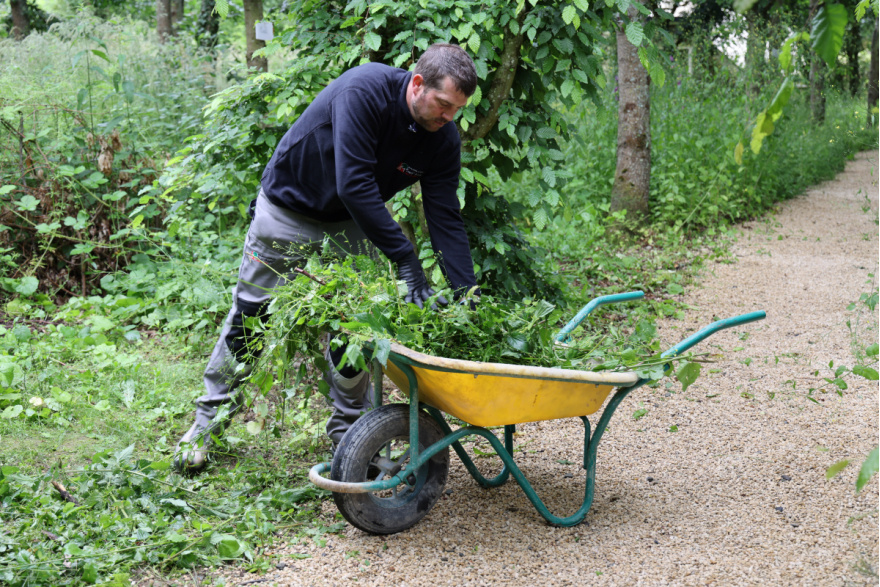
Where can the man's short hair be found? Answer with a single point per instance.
(442, 60)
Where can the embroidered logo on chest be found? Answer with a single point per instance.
(410, 171)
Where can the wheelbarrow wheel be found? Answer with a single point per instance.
(376, 447)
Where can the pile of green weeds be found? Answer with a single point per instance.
(361, 304)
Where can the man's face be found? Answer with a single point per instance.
(432, 108)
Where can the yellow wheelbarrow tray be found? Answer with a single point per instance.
(390, 468)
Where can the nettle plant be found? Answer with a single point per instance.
(535, 60)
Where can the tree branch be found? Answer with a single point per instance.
(499, 90)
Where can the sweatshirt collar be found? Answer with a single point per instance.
(407, 118)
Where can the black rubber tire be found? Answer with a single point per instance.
(386, 429)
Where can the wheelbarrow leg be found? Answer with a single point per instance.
(496, 481)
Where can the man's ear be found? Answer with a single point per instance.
(418, 81)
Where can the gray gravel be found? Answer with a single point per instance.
(737, 495)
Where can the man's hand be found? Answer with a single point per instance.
(469, 297)
(417, 289)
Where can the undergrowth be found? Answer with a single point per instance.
(90, 416)
(90, 113)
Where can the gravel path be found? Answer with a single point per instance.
(737, 495)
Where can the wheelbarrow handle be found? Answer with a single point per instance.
(698, 337)
(563, 335)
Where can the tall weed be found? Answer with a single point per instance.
(91, 111)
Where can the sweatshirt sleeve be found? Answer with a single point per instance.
(357, 121)
(443, 213)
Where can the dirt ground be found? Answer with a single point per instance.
(723, 484)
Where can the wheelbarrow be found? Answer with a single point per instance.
(391, 466)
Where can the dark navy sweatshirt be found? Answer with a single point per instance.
(354, 147)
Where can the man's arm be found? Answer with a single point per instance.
(445, 224)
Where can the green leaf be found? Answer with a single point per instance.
(6, 189)
(635, 34)
(222, 7)
(785, 52)
(548, 175)
(758, 133)
(658, 74)
(868, 470)
(780, 100)
(546, 133)
(743, 6)
(101, 323)
(11, 412)
(27, 203)
(866, 372)
(584, 5)
(27, 285)
(836, 468)
(687, 374)
(674, 289)
(128, 91)
(872, 350)
(568, 14)
(102, 406)
(8, 470)
(473, 42)
(229, 547)
(372, 40)
(827, 32)
(82, 249)
(255, 426)
(176, 537)
(564, 46)
(863, 6)
(580, 76)
(382, 350)
(639, 413)
(540, 218)
(90, 573)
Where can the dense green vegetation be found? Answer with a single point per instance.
(123, 181)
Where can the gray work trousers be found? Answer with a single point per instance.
(278, 241)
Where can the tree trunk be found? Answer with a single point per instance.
(163, 19)
(253, 13)
(817, 77)
(208, 25)
(633, 175)
(20, 25)
(852, 44)
(872, 79)
(176, 16)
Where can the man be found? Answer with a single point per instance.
(370, 133)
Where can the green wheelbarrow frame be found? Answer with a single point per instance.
(505, 450)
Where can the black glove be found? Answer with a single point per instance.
(418, 291)
(468, 296)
